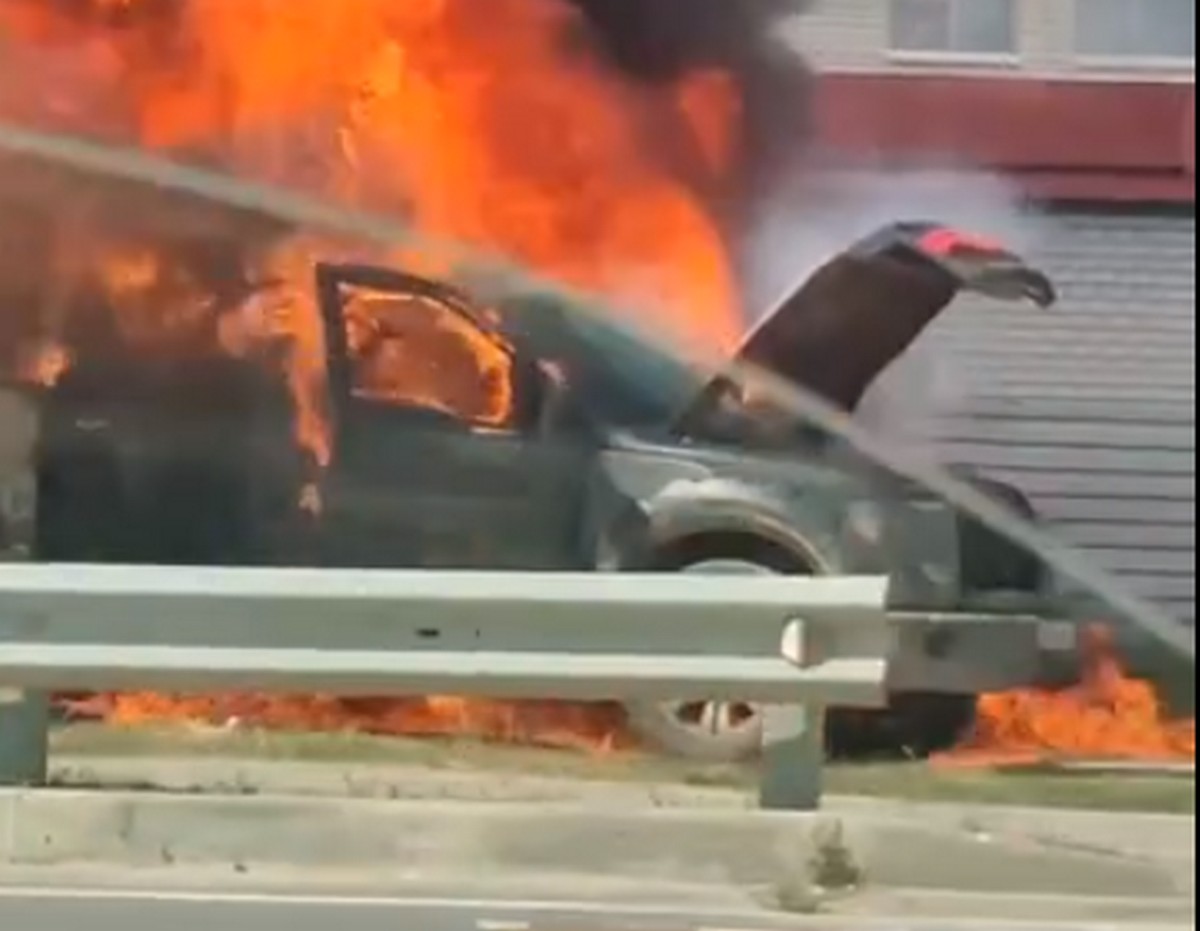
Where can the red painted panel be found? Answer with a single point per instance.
(1010, 123)
(1130, 188)
(1189, 134)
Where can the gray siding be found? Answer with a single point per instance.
(1090, 408)
(853, 36)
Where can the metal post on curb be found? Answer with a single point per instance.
(24, 725)
(793, 758)
(24, 715)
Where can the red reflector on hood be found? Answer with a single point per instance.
(945, 241)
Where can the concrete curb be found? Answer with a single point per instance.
(1161, 837)
(769, 851)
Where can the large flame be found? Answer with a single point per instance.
(489, 121)
(1108, 715)
(492, 122)
(482, 121)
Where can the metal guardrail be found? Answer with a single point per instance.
(796, 644)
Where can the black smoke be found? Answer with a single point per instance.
(661, 40)
(658, 39)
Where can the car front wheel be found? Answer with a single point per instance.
(709, 731)
(731, 731)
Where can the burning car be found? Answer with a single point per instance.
(522, 430)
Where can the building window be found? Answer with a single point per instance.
(970, 27)
(1136, 28)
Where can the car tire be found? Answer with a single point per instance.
(731, 732)
(929, 723)
(709, 731)
(913, 726)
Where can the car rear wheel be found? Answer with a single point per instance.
(709, 731)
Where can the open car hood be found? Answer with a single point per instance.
(859, 311)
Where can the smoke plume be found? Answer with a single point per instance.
(822, 211)
(662, 40)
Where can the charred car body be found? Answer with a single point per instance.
(578, 446)
(520, 431)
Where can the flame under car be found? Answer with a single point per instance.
(522, 430)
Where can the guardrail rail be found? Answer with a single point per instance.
(796, 644)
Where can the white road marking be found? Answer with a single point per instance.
(924, 923)
(691, 919)
(495, 906)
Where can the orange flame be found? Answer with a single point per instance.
(481, 120)
(455, 368)
(44, 365)
(710, 102)
(484, 121)
(587, 727)
(1108, 715)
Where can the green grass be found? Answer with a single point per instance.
(1030, 787)
(912, 781)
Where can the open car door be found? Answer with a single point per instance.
(860, 311)
(439, 459)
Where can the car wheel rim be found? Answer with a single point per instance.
(718, 718)
(713, 718)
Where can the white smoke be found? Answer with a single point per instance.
(826, 211)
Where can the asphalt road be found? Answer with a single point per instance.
(31, 909)
(81, 909)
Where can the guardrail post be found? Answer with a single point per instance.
(793, 757)
(24, 726)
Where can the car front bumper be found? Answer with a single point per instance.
(976, 652)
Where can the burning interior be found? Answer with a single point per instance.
(597, 141)
(600, 142)
(617, 145)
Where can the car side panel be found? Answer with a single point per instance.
(436, 496)
(657, 497)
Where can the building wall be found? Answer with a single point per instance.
(853, 35)
(1090, 408)
(1055, 139)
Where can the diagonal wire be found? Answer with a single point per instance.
(132, 165)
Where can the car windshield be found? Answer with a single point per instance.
(650, 385)
(632, 378)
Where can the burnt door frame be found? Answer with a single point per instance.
(410, 487)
